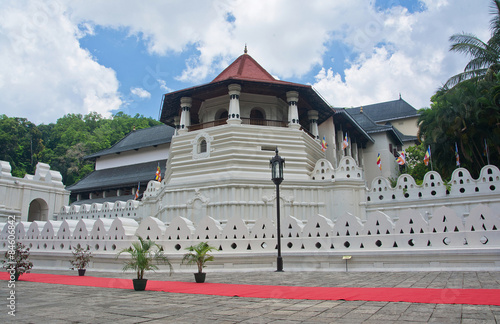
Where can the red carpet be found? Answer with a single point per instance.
(412, 295)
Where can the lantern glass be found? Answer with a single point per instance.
(277, 170)
(277, 164)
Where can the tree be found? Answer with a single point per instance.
(485, 57)
(63, 144)
(469, 115)
(415, 162)
(21, 144)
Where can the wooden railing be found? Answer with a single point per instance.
(263, 122)
(246, 121)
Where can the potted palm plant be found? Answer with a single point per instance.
(199, 254)
(17, 261)
(81, 258)
(145, 255)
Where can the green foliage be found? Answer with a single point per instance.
(467, 114)
(415, 163)
(63, 145)
(145, 256)
(485, 56)
(199, 254)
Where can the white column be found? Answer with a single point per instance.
(177, 124)
(313, 123)
(292, 97)
(340, 139)
(355, 151)
(234, 104)
(185, 114)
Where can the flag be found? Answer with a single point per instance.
(324, 145)
(158, 173)
(427, 156)
(137, 192)
(401, 159)
(457, 157)
(345, 143)
(379, 162)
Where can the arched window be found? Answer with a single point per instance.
(257, 116)
(221, 114)
(202, 147)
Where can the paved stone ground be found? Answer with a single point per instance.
(47, 303)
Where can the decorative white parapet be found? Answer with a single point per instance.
(34, 197)
(347, 170)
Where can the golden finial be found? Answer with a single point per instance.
(361, 109)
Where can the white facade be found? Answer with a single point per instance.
(146, 154)
(217, 188)
(34, 197)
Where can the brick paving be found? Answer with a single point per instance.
(49, 303)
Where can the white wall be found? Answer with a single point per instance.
(148, 154)
(16, 194)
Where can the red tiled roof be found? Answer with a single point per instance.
(244, 68)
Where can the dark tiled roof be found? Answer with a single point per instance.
(371, 127)
(348, 120)
(405, 138)
(387, 111)
(137, 139)
(115, 178)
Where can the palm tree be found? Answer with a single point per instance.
(485, 57)
(199, 254)
(145, 255)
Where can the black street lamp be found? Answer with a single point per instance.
(277, 163)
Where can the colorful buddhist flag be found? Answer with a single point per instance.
(379, 162)
(345, 143)
(457, 156)
(158, 173)
(137, 191)
(401, 159)
(427, 156)
(324, 145)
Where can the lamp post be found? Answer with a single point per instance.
(277, 163)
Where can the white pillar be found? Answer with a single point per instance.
(292, 97)
(177, 124)
(185, 121)
(234, 104)
(313, 123)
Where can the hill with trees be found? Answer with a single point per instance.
(64, 144)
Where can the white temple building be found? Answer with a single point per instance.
(216, 186)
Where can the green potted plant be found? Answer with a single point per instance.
(81, 258)
(145, 255)
(199, 254)
(17, 261)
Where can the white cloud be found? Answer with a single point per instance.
(411, 58)
(140, 92)
(163, 85)
(44, 71)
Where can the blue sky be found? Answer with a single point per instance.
(62, 56)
